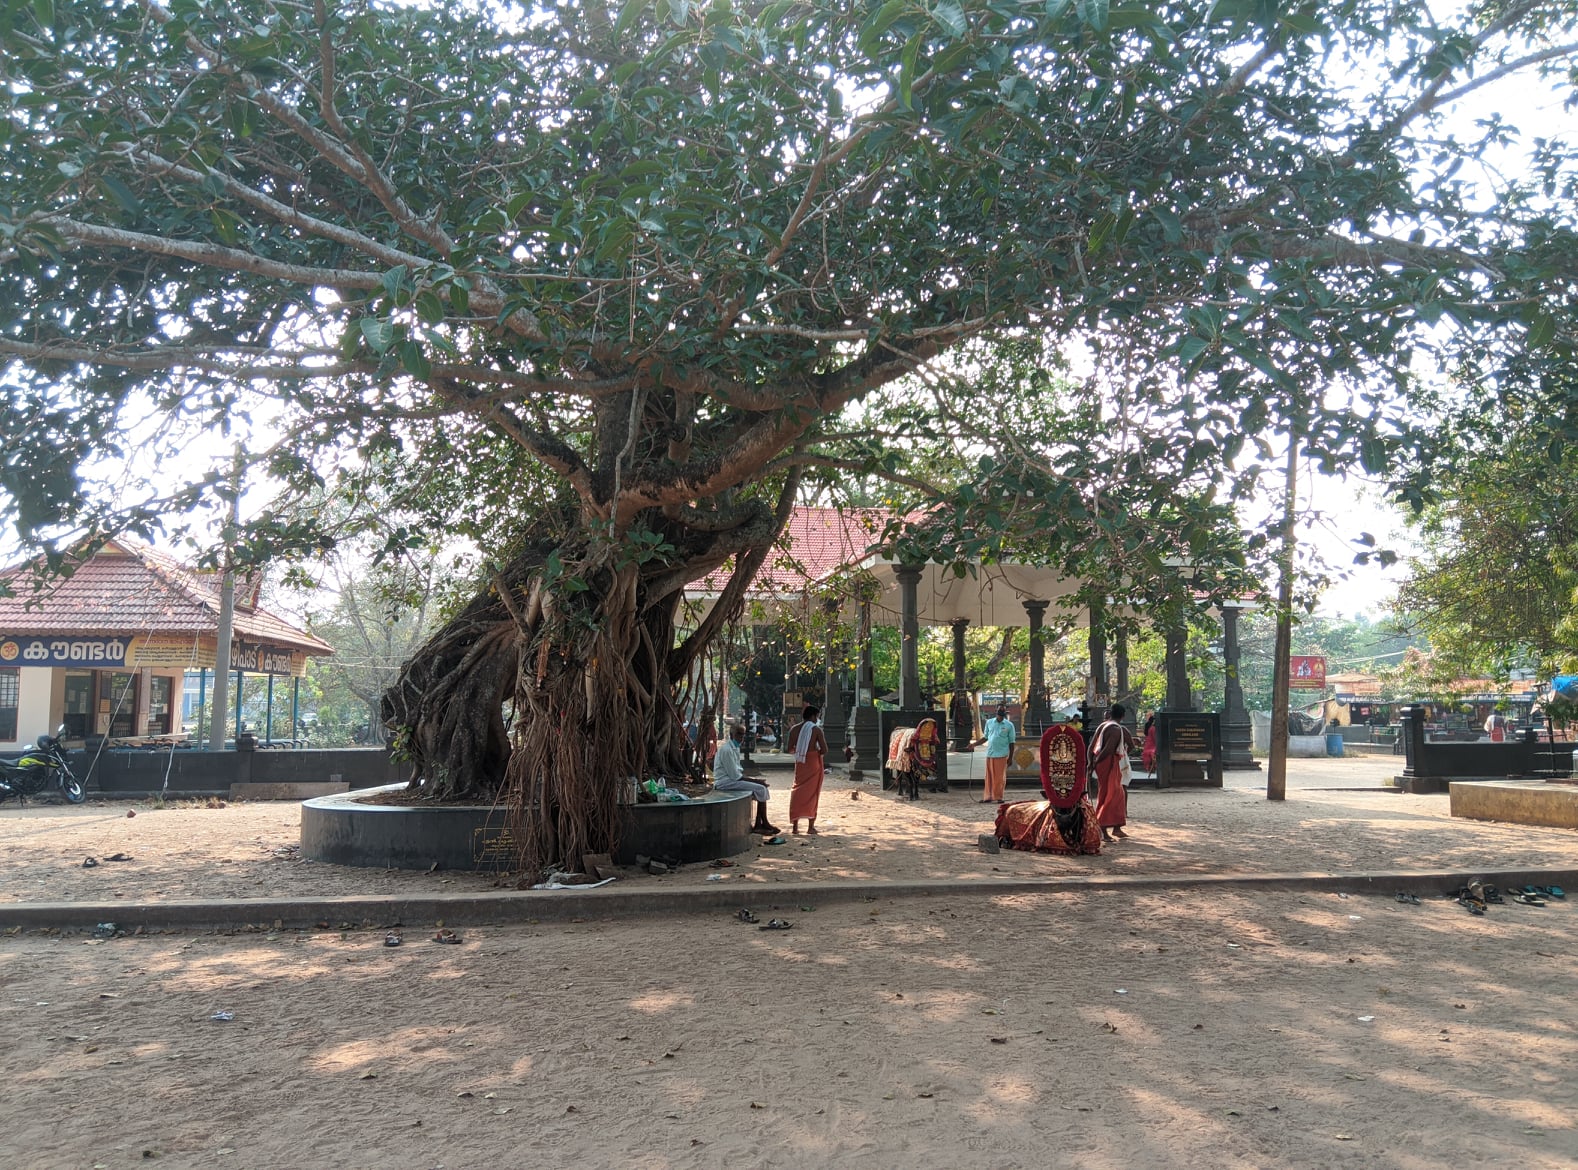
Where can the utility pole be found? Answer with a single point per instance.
(227, 618)
(1277, 763)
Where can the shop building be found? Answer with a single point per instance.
(106, 651)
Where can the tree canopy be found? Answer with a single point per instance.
(602, 281)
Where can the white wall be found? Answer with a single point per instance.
(34, 702)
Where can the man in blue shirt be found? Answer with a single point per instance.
(998, 735)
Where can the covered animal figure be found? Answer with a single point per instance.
(1065, 822)
(912, 756)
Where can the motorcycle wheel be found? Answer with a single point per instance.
(73, 791)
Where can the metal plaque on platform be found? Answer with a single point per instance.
(1188, 749)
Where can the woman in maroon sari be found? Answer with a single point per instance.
(1110, 743)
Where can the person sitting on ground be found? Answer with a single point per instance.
(728, 775)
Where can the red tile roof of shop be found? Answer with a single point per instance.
(128, 589)
(815, 542)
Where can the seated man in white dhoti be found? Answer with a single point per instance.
(728, 775)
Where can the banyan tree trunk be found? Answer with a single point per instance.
(554, 687)
(585, 678)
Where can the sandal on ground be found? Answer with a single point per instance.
(777, 924)
(446, 936)
(1529, 900)
(747, 916)
(1553, 892)
(1408, 899)
(392, 939)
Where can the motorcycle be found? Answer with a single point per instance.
(40, 768)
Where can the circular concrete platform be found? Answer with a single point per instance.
(346, 830)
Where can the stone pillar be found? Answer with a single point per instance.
(960, 716)
(865, 680)
(909, 637)
(1237, 733)
(1099, 696)
(864, 730)
(1037, 717)
(834, 716)
(1120, 684)
(1178, 696)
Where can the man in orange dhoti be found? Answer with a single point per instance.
(810, 760)
(1112, 800)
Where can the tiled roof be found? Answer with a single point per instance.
(128, 589)
(815, 542)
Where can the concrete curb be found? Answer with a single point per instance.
(533, 906)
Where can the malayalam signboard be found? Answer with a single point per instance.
(46, 650)
(1307, 672)
(261, 658)
(167, 651)
(177, 652)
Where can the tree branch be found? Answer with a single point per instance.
(732, 599)
(211, 255)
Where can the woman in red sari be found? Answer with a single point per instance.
(810, 759)
(1112, 800)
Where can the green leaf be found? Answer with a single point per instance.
(414, 361)
(951, 17)
(628, 15)
(907, 62)
(122, 194)
(879, 23)
(429, 308)
(378, 333)
(44, 13)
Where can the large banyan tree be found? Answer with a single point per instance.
(614, 270)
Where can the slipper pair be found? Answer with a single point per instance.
(446, 936)
(1544, 891)
(1529, 900)
(1408, 899)
(776, 924)
(747, 916)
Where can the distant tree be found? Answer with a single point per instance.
(1496, 586)
(376, 616)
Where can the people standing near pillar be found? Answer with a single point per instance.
(810, 761)
(1107, 747)
(998, 734)
(1148, 744)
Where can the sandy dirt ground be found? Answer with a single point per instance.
(250, 850)
(1265, 1032)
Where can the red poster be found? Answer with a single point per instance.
(1307, 672)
